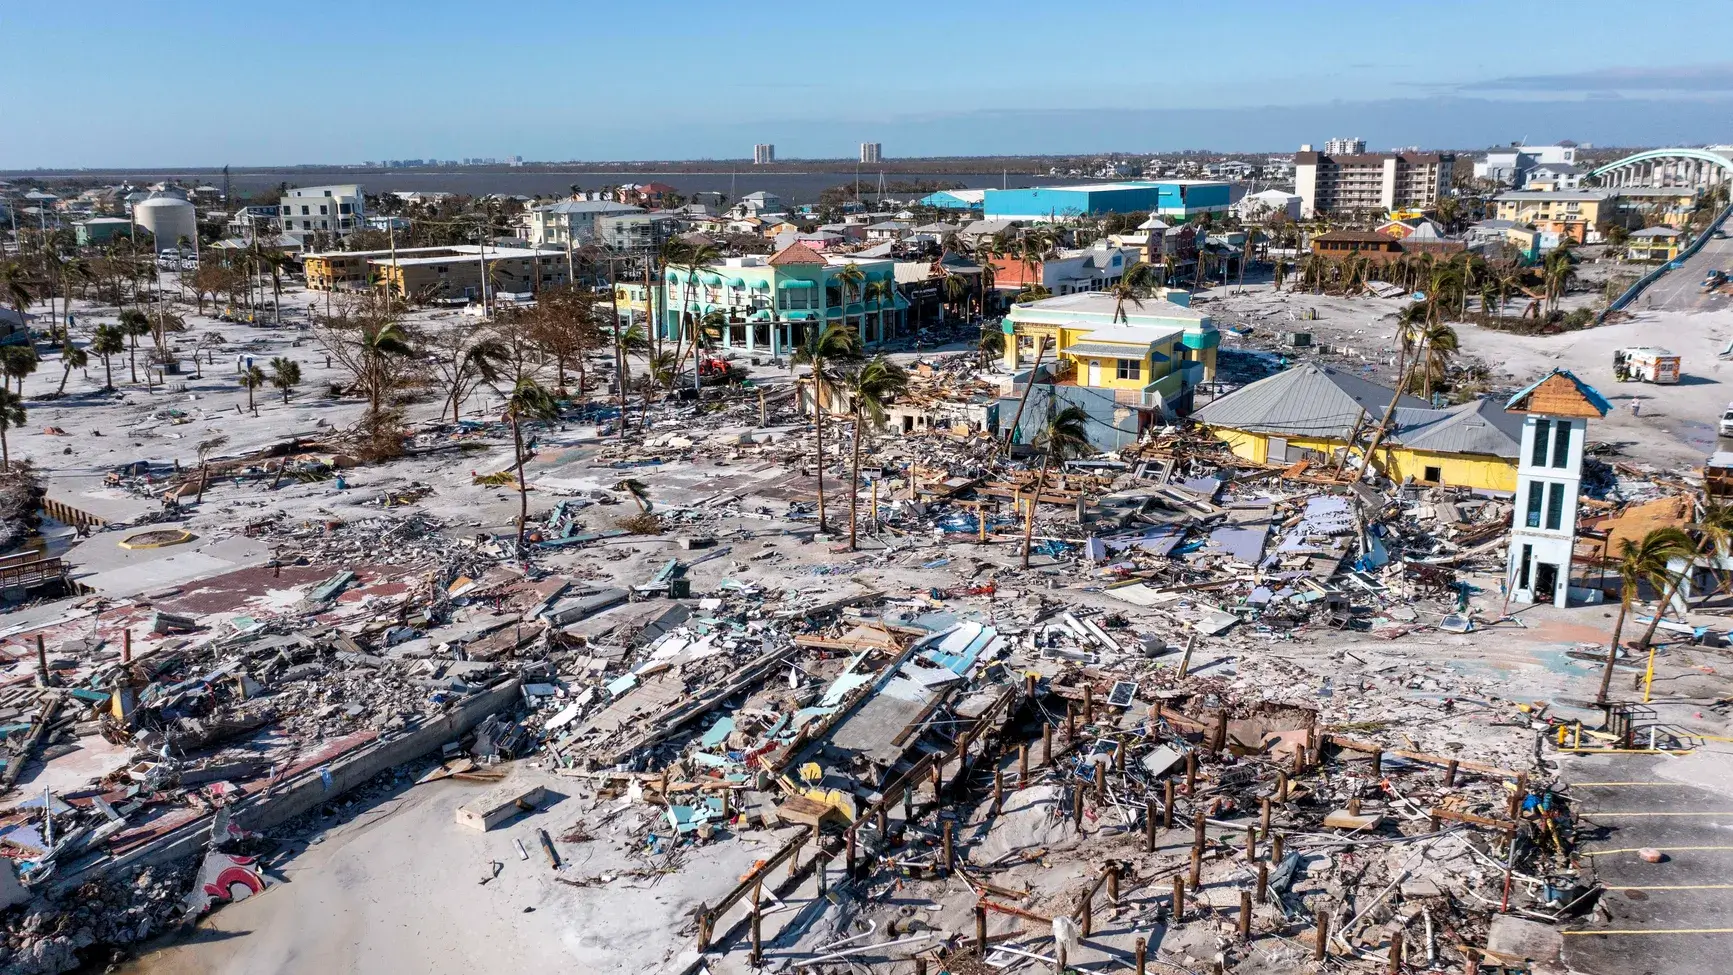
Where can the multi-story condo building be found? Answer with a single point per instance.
(1345, 147)
(571, 221)
(1370, 182)
(871, 152)
(763, 153)
(307, 210)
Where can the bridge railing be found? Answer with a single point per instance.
(1630, 294)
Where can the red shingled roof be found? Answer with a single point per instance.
(795, 254)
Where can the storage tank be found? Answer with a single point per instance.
(168, 217)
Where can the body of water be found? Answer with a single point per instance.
(794, 188)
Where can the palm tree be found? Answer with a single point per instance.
(1280, 273)
(956, 289)
(285, 375)
(15, 283)
(820, 350)
(694, 256)
(204, 449)
(483, 361)
(1066, 436)
(252, 379)
(134, 323)
(991, 345)
(108, 341)
(879, 294)
(1559, 271)
(17, 362)
(527, 401)
(850, 278)
(639, 491)
(1642, 562)
(71, 357)
(868, 387)
(379, 345)
(1438, 344)
(1714, 528)
(11, 415)
(1131, 287)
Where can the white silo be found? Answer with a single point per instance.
(168, 217)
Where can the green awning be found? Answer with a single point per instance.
(760, 285)
(801, 316)
(796, 284)
(710, 277)
(1201, 340)
(737, 282)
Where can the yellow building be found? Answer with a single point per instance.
(1312, 412)
(1568, 213)
(439, 272)
(1654, 244)
(1152, 354)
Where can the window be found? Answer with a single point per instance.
(1534, 496)
(1131, 368)
(344, 208)
(1522, 575)
(305, 211)
(1555, 502)
(322, 209)
(1542, 429)
(1561, 446)
(1434, 475)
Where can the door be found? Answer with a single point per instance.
(1278, 452)
(1545, 582)
(1094, 372)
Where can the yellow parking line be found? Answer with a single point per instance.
(1679, 887)
(1663, 849)
(1653, 931)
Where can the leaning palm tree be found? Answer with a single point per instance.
(1714, 530)
(15, 288)
(71, 357)
(820, 351)
(134, 323)
(640, 493)
(204, 449)
(1645, 561)
(868, 387)
(1437, 344)
(12, 415)
(1065, 436)
(527, 401)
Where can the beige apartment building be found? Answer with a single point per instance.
(1379, 182)
(438, 272)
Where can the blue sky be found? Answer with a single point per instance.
(95, 83)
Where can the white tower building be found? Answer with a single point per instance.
(1556, 411)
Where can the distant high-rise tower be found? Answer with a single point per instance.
(870, 152)
(763, 153)
(1345, 147)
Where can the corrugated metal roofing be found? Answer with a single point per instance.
(1307, 400)
(1480, 427)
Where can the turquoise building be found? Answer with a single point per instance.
(1177, 198)
(768, 303)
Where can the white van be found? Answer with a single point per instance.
(1727, 421)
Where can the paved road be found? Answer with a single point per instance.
(1681, 290)
(1675, 916)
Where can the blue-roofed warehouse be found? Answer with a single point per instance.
(1179, 198)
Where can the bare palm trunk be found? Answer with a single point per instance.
(1667, 596)
(132, 354)
(5, 452)
(523, 490)
(64, 376)
(1040, 350)
(854, 484)
(1034, 502)
(818, 427)
(1384, 422)
(204, 475)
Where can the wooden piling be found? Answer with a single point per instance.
(1281, 786)
(1100, 783)
(1022, 766)
(1450, 774)
(1167, 804)
(1263, 882)
(998, 789)
(981, 930)
(41, 663)
(1085, 922)
(1322, 934)
(1149, 825)
(1070, 722)
(1113, 885)
(1245, 915)
(757, 928)
(1077, 805)
(1251, 844)
(950, 847)
(1276, 843)
(1196, 878)
(1395, 964)
(1088, 705)
(1139, 954)
(1178, 897)
(1264, 815)
(1046, 746)
(1191, 773)
(1377, 762)
(1198, 836)
(126, 646)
